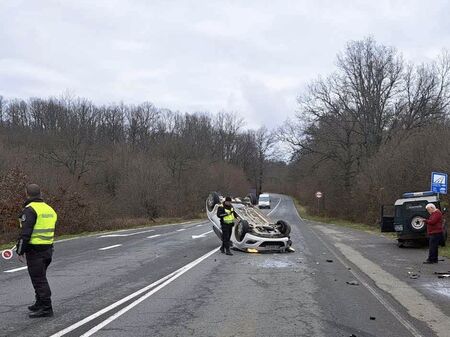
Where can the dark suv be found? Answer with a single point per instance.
(405, 217)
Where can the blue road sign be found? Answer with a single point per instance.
(439, 182)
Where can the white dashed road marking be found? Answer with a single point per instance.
(201, 235)
(153, 236)
(110, 247)
(14, 270)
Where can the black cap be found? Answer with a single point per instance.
(33, 191)
(228, 199)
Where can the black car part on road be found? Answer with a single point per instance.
(284, 227)
(241, 229)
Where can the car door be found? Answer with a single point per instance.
(387, 219)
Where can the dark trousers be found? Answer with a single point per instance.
(434, 241)
(226, 235)
(38, 263)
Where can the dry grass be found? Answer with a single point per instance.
(443, 251)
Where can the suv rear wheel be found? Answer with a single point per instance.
(417, 224)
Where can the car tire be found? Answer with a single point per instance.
(241, 229)
(213, 200)
(284, 227)
(415, 225)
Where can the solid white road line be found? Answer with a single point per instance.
(153, 236)
(200, 225)
(181, 229)
(161, 283)
(150, 293)
(268, 214)
(125, 235)
(405, 322)
(201, 235)
(14, 270)
(110, 247)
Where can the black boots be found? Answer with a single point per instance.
(225, 251)
(39, 309)
(34, 307)
(41, 312)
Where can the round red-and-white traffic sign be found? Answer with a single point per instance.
(7, 254)
(319, 195)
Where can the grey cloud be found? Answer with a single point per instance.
(252, 57)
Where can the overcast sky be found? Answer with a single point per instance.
(250, 57)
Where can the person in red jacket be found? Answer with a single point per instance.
(435, 232)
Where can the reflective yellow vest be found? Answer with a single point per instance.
(44, 229)
(229, 218)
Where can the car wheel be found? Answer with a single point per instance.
(400, 244)
(241, 229)
(284, 227)
(213, 200)
(417, 224)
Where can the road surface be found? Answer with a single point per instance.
(172, 281)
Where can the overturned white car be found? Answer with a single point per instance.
(254, 232)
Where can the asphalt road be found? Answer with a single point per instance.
(172, 281)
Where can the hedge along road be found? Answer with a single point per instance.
(174, 283)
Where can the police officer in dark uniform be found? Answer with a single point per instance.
(227, 216)
(37, 222)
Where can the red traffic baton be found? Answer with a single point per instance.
(7, 254)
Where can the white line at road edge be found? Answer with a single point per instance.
(408, 325)
(153, 236)
(268, 214)
(14, 270)
(125, 235)
(127, 230)
(110, 247)
(181, 229)
(161, 283)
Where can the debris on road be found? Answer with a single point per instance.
(372, 318)
(353, 283)
(442, 272)
(329, 260)
(413, 275)
(444, 276)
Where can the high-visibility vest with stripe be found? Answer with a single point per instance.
(44, 229)
(229, 218)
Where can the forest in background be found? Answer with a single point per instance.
(373, 129)
(121, 165)
(370, 131)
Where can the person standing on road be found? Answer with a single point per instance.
(434, 231)
(35, 245)
(227, 217)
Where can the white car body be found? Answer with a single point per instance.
(263, 235)
(264, 201)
